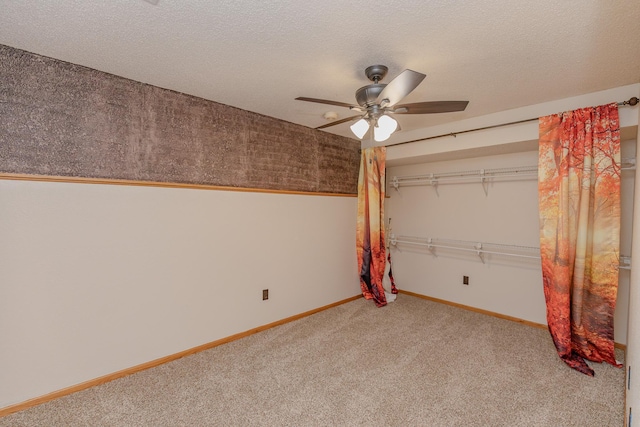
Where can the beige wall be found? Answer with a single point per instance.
(98, 278)
(462, 211)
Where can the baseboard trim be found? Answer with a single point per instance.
(622, 347)
(157, 362)
(490, 313)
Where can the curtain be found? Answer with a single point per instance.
(579, 202)
(370, 235)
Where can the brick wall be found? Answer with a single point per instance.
(62, 119)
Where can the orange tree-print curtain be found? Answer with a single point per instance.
(579, 202)
(370, 246)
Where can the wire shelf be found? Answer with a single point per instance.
(480, 248)
(481, 175)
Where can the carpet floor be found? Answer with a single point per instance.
(412, 363)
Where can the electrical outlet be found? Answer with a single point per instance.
(265, 294)
(465, 280)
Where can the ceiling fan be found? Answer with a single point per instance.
(377, 101)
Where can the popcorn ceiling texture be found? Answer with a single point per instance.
(61, 119)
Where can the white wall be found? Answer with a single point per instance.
(98, 278)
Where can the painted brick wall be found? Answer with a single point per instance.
(58, 118)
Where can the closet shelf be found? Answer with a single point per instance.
(464, 176)
(480, 248)
(481, 175)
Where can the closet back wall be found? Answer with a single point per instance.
(508, 214)
(95, 279)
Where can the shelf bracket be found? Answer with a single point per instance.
(395, 183)
(483, 182)
(628, 164)
(479, 251)
(431, 248)
(434, 183)
(625, 263)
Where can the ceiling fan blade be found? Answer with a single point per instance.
(337, 122)
(431, 107)
(400, 87)
(325, 101)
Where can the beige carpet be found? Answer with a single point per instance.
(412, 363)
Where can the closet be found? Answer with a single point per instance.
(477, 218)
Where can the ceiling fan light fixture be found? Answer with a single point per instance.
(387, 124)
(380, 136)
(384, 128)
(360, 128)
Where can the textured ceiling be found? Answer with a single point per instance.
(260, 55)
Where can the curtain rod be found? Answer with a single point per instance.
(632, 101)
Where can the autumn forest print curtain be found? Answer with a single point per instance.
(370, 233)
(579, 202)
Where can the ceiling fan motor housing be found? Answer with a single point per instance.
(367, 95)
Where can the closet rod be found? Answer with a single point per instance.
(478, 248)
(631, 102)
(485, 174)
(475, 250)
